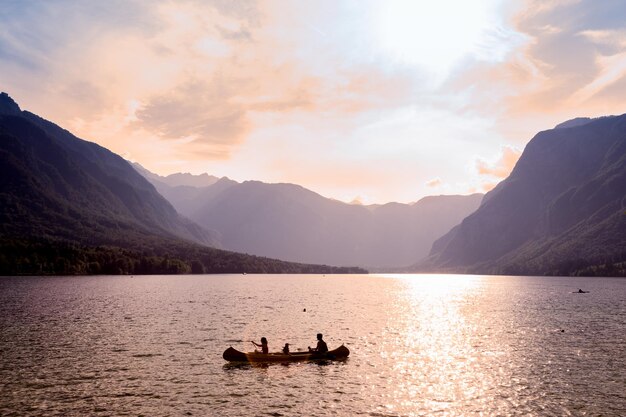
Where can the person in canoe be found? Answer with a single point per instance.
(263, 345)
(321, 345)
(286, 349)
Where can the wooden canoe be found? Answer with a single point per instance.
(233, 355)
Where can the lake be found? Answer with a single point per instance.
(420, 345)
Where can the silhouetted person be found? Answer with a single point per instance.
(286, 348)
(263, 345)
(321, 345)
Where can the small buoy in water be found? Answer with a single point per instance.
(562, 331)
(304, 310)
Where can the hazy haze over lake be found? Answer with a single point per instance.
(421, 345)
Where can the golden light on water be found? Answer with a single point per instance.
(435, 336)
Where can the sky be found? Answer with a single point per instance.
(365, 101)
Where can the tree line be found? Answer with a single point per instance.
(42, 257)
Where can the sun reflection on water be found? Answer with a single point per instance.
(435, 365)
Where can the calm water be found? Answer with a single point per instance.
(421, 345)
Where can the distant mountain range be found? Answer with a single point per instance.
(287, 221)
(562, 210)
(178, 179)
(71, 206)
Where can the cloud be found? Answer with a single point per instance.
(358, 201)
(569, 44)
(198, 68)
(31, 30)
(204, 111)
(225, 89)
(501, 166)
(241, 34)
(435, 182)
(247, 10)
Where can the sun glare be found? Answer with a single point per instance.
(433, 35)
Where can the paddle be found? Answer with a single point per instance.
(255, 345)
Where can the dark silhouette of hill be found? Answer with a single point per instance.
(292, 223)
(88, 190)
(562, 210)
(71, 206)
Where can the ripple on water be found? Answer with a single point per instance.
(421, 345)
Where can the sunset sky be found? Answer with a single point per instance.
(369, 101)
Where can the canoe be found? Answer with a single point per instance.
(233, 355)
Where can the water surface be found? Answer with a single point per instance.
(421, 345)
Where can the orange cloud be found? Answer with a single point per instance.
(488, 186)
(576, 49)
(502, 166)
(203, 110)
(435, 182)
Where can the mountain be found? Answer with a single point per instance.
(292, 223)
(71, 206)
(185, 198)
(49, 173)
(562, 210)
